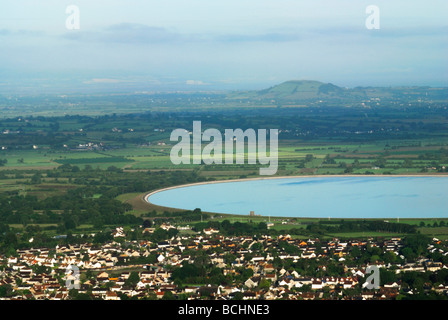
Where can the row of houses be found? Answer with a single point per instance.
(250, 252)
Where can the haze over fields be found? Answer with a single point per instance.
(201, 45)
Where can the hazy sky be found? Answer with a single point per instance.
(209, 44)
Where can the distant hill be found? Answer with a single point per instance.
(302, 91)
(306, 89)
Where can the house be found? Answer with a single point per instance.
(147, 274)
(367, 295)
(270, 295)
(388, 293)
(305, 281)
(191, 290)
(210, 231)
(159, 294)
(250, 295)
(167, 227)
(12, 260)
(149, 230)
(60, 296)
(251, 282)
(99, 292)
(358, 273)
(348, 283)
(434, 266)
(102, 277)
(441, 288)
(331, 281)
(308, 255)
(118, 232)
(308, 295)
(257, 259)
(392, 285)
(226, 290)
(285, 283)
(111, 295)
(269, 268)
(317, 284)
(163, 244)
(271, 277)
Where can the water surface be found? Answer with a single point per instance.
(317, 197)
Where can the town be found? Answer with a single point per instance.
(212, 266)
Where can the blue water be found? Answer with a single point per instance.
(318, 197)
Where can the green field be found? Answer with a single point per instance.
(113, 155)
(291, 162)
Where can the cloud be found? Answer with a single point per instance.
(412, 32)
(127, 33)
(140, 34)
(266, 37)
(25, 33)
(131, 33)
(105, 81)
(195, 83)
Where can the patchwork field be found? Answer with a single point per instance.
(121, 156)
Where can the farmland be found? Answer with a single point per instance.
(124, 152)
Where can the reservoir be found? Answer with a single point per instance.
(316, 197)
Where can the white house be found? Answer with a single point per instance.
(317, 284)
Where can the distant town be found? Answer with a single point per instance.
(231, 268)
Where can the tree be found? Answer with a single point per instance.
(348, 169)
(147, 223)
(389, 257)
(387, 276)
(238, 296)
(355, 252)
(133, 279)
(201, 258)
(408, 163)
(226, 225)
(329, 160)
(187, 270)
(409, 254)
(309, 158)
(229, 257)
(69, 223)
(168, 295)
(11, 239)
(418, 243)
(264, 284)
(36, 178)
(5, 290)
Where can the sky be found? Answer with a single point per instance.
(153, 45)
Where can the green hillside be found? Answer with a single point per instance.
(304, 91)
(300, 91)
(293, 89)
